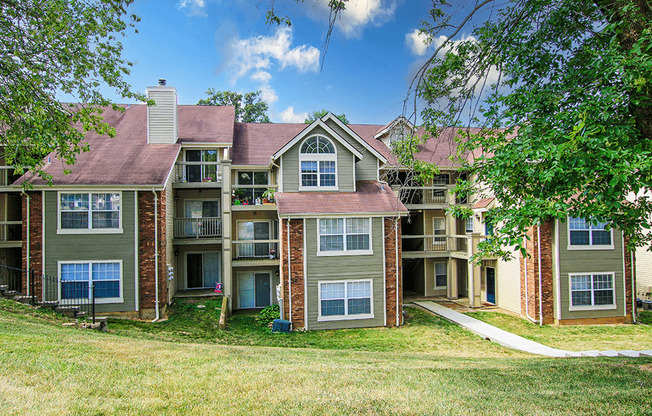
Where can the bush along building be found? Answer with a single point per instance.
(185, 201)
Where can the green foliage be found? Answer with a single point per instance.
(267, 315)
(249, 108)
(53, 47)
(561, 91)
(321, 113)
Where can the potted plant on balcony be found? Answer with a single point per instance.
(268, 195)
(238, 196)
(208, 179)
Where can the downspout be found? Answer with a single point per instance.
(156, 254)
(27, 255)
(289, 306)
(632, 279)
(540, 284)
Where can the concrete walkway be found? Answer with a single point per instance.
(516, 342)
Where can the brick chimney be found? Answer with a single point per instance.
(162, 120)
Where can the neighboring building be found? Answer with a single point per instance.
(175, 205)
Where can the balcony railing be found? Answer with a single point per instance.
(435, 243)
(207, 227)
(198, 172)
(250, 194)
(256, 249)
(7, 176)
(418, 195)
(11, 231)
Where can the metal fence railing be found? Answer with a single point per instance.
(75, 298)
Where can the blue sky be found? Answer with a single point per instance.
(226, 45)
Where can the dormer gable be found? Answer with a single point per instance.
(397, 130)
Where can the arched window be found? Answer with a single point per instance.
(318, 162)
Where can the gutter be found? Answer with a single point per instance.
(28, 259)
(540, 279)
(156, 254)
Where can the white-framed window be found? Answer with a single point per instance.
(468, 225)
(318, 164)
(82, 212)
(202, 165)
(441, 179)
(344, 236)
(441, 275)
(592, 291)
(76, 278)
(345, 299)
(439, 232)
(584, 234)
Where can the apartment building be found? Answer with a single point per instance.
(184, 200)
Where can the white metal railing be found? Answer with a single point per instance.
(435, 243)
(249, 193)
(198, 172)
(255, 249)
(207, 227)
(416, 195)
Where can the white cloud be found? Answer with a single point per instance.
(261, 76)
(195, 7)
(358, 15)
(268, 94)
(262, 52)
(417, 42)
(289, 116)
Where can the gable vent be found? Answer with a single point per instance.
(162, 123)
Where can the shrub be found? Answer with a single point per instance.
(268, 314)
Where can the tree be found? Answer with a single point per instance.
(561, 92)
(321, 113)
(52, 48)
(249, 108)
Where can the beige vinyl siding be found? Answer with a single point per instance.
(430, 277)
(291, 169)
(590, 261)
(94, 247)
(344, 268)
(162, 118)
(508, 284)
(643, 271)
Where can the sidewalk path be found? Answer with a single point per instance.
(516, 342)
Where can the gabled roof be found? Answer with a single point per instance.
(387, 127)
(371, 197)
(307, 130)
(127, 159)
(371, 149)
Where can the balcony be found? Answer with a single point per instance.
(11, 234)
(426, 196)
(419, 246)
(255, 252)
(205, 229)
(197, 175)
(7, 176)
(250, 197)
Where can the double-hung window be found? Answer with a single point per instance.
(351, 299)
(592, 291)
(97, 211)
(80, 279)
(583, 233)
(441, 275)
(318, 164)
(344, 235)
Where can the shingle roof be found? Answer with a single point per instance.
(483, 203)
(127, 158)
(370, 197)
(255, 143)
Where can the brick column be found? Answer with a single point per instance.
(535, 301)
(297, 288)
(283, 256)
(630, 278)
(146, 258)
(35, 236)
(393, 271)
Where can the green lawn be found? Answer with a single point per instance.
(576, 337)
(423, 333)
(49, 369)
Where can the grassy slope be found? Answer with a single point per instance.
(50, 369)
(575, 337)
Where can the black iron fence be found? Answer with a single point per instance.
(74, 296)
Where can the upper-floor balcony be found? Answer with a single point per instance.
(255, 252)
(197, 175)
(7, 176)
(253, 197)
(415, 246)
(11, 234)
(198, 230)
(424, 197)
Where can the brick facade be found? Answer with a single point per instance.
(535, 303)
(146, 257)
(294, 293)
(630, 277)
(35, 236)
(393, 271)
